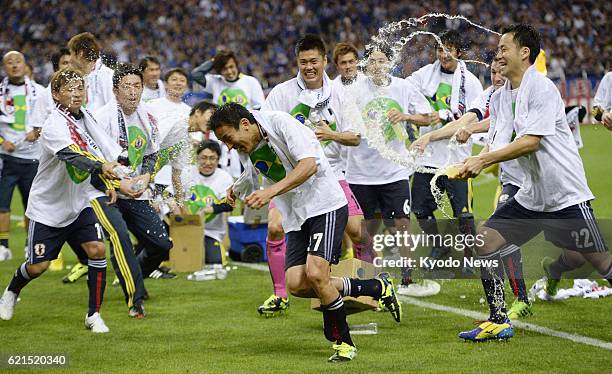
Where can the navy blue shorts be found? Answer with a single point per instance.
(16, 172)
(212, 250)
(393, 199)
(508, 191)
(45, 242)
(573, 228)
(319, 236)
(423, 202)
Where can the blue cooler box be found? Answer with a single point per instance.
(247, 242)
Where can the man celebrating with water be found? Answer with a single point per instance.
(554, 196)
(312, 203)
(449, 87)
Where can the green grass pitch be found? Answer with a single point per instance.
(213, 326)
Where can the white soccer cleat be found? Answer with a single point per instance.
(96, 324)
(5, 253)
(425, 288)
(7, 304)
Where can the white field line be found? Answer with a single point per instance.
(520, 324)
(482, 316)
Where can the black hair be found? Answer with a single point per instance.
(124, 69)
(209, 144)
(381, 47)
(526, 36)
(202, 106)
(55, 57)
(229, 114)
(180, 71)
(222, 58)
(144, 62)
(452, 39)
(308, 42)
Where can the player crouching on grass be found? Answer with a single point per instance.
(59, 209)
(312, 203)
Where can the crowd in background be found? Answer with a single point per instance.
(186, 32)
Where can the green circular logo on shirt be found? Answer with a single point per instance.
(201, 197)
(233, 95)
(377, 112)
(76, 175)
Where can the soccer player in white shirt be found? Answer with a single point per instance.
(298, 176)
(477, 120)
(310, 99)
(130, 124)
(206, 191)
(20, 129)
(602, 102)
(85, 57)
(450, 87)
(171, 111)
(151, 73)
(229, 85)
(59, 210)
(392, 105)
(554, 196)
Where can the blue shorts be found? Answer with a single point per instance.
(45, 242)
(319, 236)
(508, 191)
(573, 228)
(16, 172)
(423, 202)
(393, 199)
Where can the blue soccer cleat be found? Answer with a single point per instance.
(488, 330)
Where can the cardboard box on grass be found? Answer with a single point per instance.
(352, 268)
(187, 233)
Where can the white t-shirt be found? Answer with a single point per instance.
(204, 191)
(603, 96)
(441, 155)
(99, 86)
(365, 164)
(554, 176)
(246, 90)
(55, 199)
(285, 98)
(170, 116)
(22, 121)
(499, 136)
(149, 94)
(142, 143)
(288, 142)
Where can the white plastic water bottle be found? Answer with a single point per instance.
(220, 272)
(367, 329)
(202, 275)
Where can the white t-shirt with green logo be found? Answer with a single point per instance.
(245, 91)
(24, 122)
(170, 115)
(285, 98)
(287, 143)
(202, 191)
(56, 199)
(365, 164)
